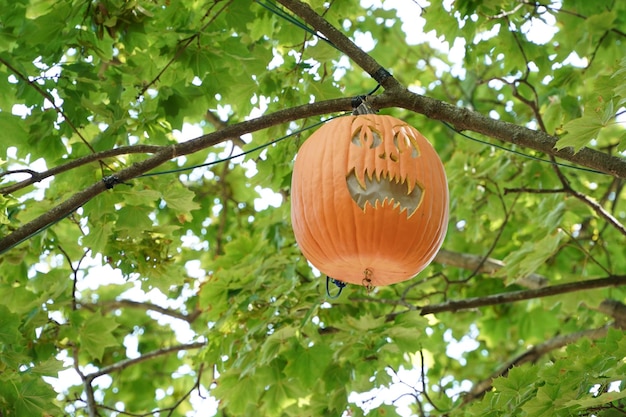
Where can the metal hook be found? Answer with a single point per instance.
(340, 284)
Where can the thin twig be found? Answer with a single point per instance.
(532, 355)
(507, 216)
(91, 400)
(340, 41)
(489, 266)
(553, 9)
(106, 306)
(183, 45)
(534, 190)
(39, 176)
(46, 95)
(121, 365)
(600, 211)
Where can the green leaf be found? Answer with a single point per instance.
(98, 237)
(12, 127)
(140, 197)
(181, 200)
(34, 398)
(281, 394)
(9, 327)
(363, 323)
(276, 343)
(237, 393)
(530, 256)
(580, 132)
(592, 402)
(308, 364)
(50, 367)
(518, 382)
(135, 220)
(95, 335)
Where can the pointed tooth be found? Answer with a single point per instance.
(360, 177)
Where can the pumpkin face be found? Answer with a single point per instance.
(369, 200)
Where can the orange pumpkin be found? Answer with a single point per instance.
(369, 200)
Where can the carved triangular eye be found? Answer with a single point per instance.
(376, 140)
(366, 137)
(403, 142)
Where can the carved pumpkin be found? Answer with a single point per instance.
(369, 200)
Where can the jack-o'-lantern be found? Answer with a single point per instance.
(369, 200)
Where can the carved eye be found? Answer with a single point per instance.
(366, 137)
(404, 142)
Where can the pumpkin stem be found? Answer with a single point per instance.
(361, 106)
(367, 280)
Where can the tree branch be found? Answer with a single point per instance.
(532, 355)
(462, 119)
(47, 96)
(615, 309)
(118, 366)
(465, 119)
(91, 400)
(39, 176)
(395, 96)
(490, 266)
(107, 306)
(456, 305)
(166, 153)
(340, 41)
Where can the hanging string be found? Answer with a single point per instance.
(272, 7)
(257, 148)
(112, 180)
(382, 74)
(535, 158)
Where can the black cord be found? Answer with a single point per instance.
(340, 284)
(535, 158)
(257, 148)
(272, 7)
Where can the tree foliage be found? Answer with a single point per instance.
(142, 273)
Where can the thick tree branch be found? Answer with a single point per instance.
(395, 96)
(341, 41)
(77, 200)
(465, 119)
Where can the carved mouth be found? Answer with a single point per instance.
(384, 189)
